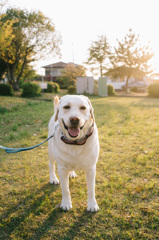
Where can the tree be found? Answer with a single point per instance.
(130, 59)
(6, 36)
(99, 52)
(3, 68)
(5, 33)
(33, 37)
(71, 72)
(29, 73)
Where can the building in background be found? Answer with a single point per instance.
(53, 71)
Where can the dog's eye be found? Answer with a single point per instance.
(83, 108)
(66, 107)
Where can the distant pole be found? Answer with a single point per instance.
(51, 73)
(73, 53)
(42, 77)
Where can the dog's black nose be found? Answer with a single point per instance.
(74, 120)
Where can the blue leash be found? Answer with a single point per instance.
(15, 150)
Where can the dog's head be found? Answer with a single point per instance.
(75, 116)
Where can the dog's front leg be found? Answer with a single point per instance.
(66, 203)
(92, 205)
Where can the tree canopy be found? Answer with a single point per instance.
(130, 59)
(6, 36)
(33, 36)
(99, 52)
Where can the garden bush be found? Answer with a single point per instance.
(153, 90)
(110, 90)
(21, 82)
(62, 82)
(52, 88)
(63, 87)
(6, 90)
(31, 89)
(71, 89)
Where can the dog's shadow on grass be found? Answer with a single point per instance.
(13, 219)
(35, 213)
(58, 221)
(58, 217)
(19, 221)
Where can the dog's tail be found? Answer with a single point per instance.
(56, 102)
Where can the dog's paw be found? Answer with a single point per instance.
(72, 174)
(92, 207)
(54, 181)
(66, 206)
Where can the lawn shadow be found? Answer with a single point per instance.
(18, 213)
(81, 222)
(147, 103)
(55, 218)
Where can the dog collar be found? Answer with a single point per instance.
(80, 141)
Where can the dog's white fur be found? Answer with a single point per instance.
(73, 157)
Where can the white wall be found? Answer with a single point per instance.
(116, 85)
(85, 85)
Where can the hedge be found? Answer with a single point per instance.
(111, 90)
(71, 89)
(153, 90)
(52, 87)
(6, 90)
(31, 89)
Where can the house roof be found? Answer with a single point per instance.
(59, 65)
(56, 65)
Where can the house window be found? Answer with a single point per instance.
(47, 72)
(54, 72)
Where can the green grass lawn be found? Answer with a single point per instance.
(126, 180)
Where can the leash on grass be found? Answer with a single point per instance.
(15, 150)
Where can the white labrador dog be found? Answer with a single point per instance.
(75, 145)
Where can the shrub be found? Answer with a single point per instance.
(153, 90)
(31, 89)
(52, 88)
(56, 87)
(49, 89)
(71, 89)
(21, 82)
(62, 81)
(63, 86)
(110, 90)
(6, 90)
(134, 89)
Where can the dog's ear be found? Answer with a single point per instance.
(56, 114)
(91, 111)
(92, 114)
(56, 108)
(91, 108)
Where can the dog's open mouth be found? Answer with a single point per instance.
(72, 131)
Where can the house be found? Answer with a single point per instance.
(133, 82)
(54, 70)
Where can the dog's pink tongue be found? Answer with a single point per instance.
(73, 131)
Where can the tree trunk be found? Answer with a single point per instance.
(15, 86)
(126, 85)
(101, 70)
(11, 78)
(23, 65)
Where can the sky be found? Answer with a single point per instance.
(81, 21)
